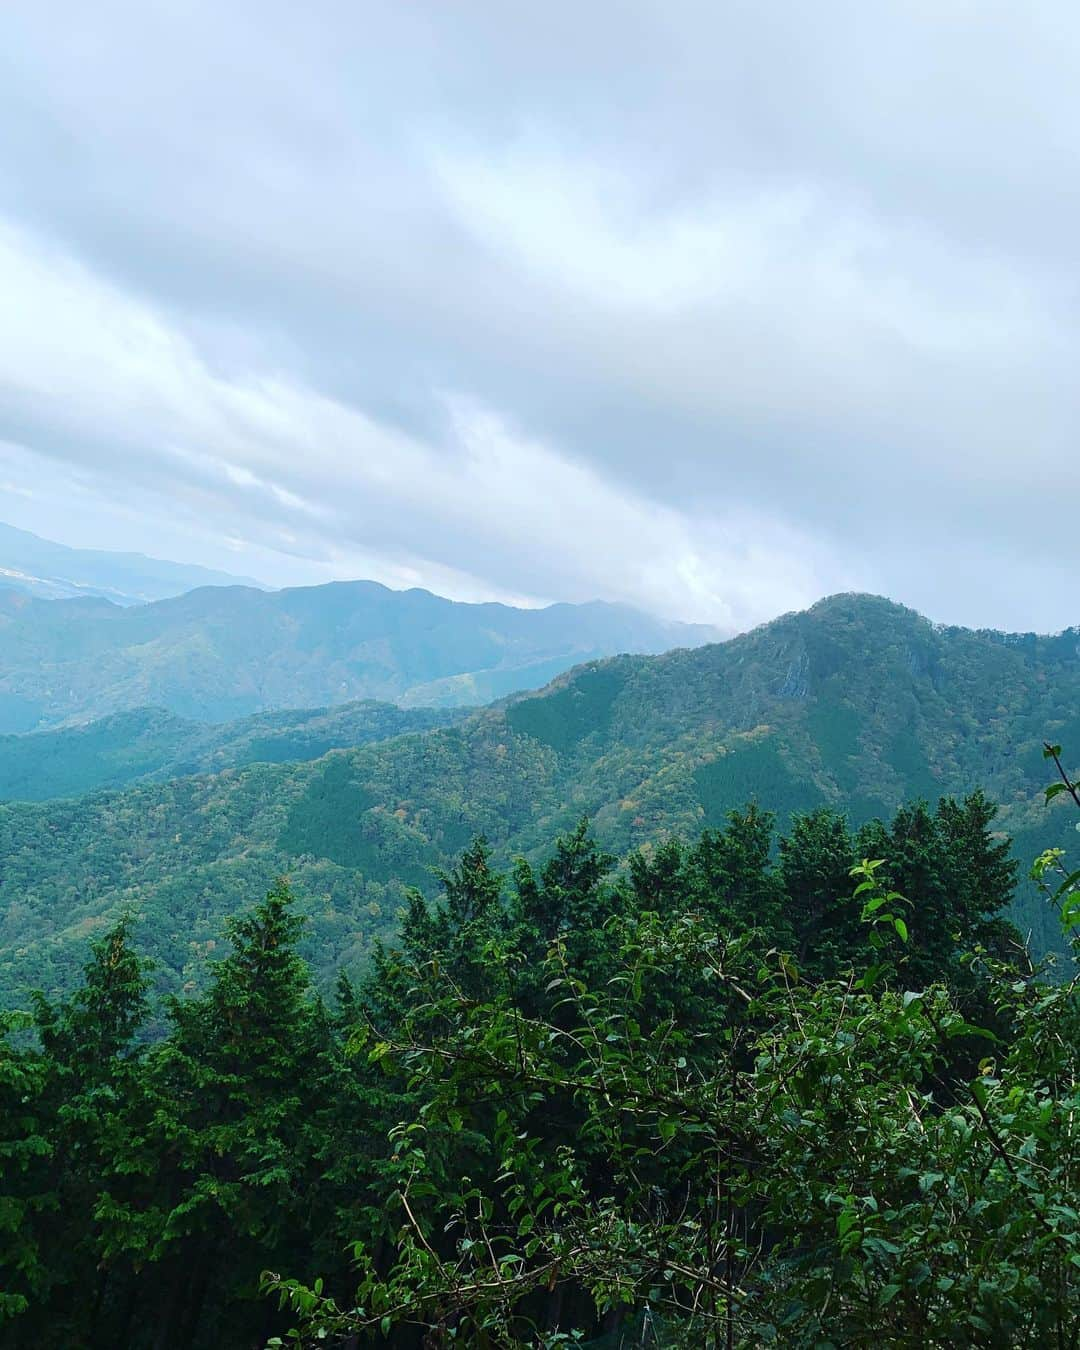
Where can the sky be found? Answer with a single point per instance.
(714, 308)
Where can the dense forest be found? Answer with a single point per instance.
(856, 704)
(748, 1090)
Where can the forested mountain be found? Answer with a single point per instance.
(857, 703)
(152, 745)
(219, 653)
(36, 566)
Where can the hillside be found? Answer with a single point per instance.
(220, 653)
(39, 567)
(857, 702)
(151, 745)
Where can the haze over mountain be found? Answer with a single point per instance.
(219, 653)
(50, 571)
(856, 703)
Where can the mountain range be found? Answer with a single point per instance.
(856, 703)
(223, 652)
(50, 571)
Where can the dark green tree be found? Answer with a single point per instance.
(816, 858)
(85, 1072)
(28, 1197)
(731, 872)
(234, 1082)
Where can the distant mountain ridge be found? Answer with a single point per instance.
(218, 653)
(51, 571)
(856, 704)
(152, 745)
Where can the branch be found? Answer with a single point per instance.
(1051, 752)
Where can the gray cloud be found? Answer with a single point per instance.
(712, 308)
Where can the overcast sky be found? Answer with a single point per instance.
(715, 308)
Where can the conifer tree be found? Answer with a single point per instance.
(731, 872)
(816, 858)
(234, 1080)
(86, 1067)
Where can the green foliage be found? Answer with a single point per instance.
(151, 1183)
(26, 1192)
(326, 820)
(570, 714)
(727, 1095)
(752, 770)
(63, 1131)
(712, 1143)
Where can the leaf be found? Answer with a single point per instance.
(901, 929)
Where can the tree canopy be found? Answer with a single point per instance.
(746, 1090)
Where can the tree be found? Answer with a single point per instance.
(27, 1192)
(569, 895)
(234, 1084)
(731, 872)
(78, 1077)
(816, 858)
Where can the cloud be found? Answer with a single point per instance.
(96, 377)
(712, 309)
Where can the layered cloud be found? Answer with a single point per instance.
(709, 308)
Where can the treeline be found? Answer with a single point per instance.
(742, 1092)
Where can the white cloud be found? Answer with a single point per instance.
(482, 511)
(711, 308)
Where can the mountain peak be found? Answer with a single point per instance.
(861, 602)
